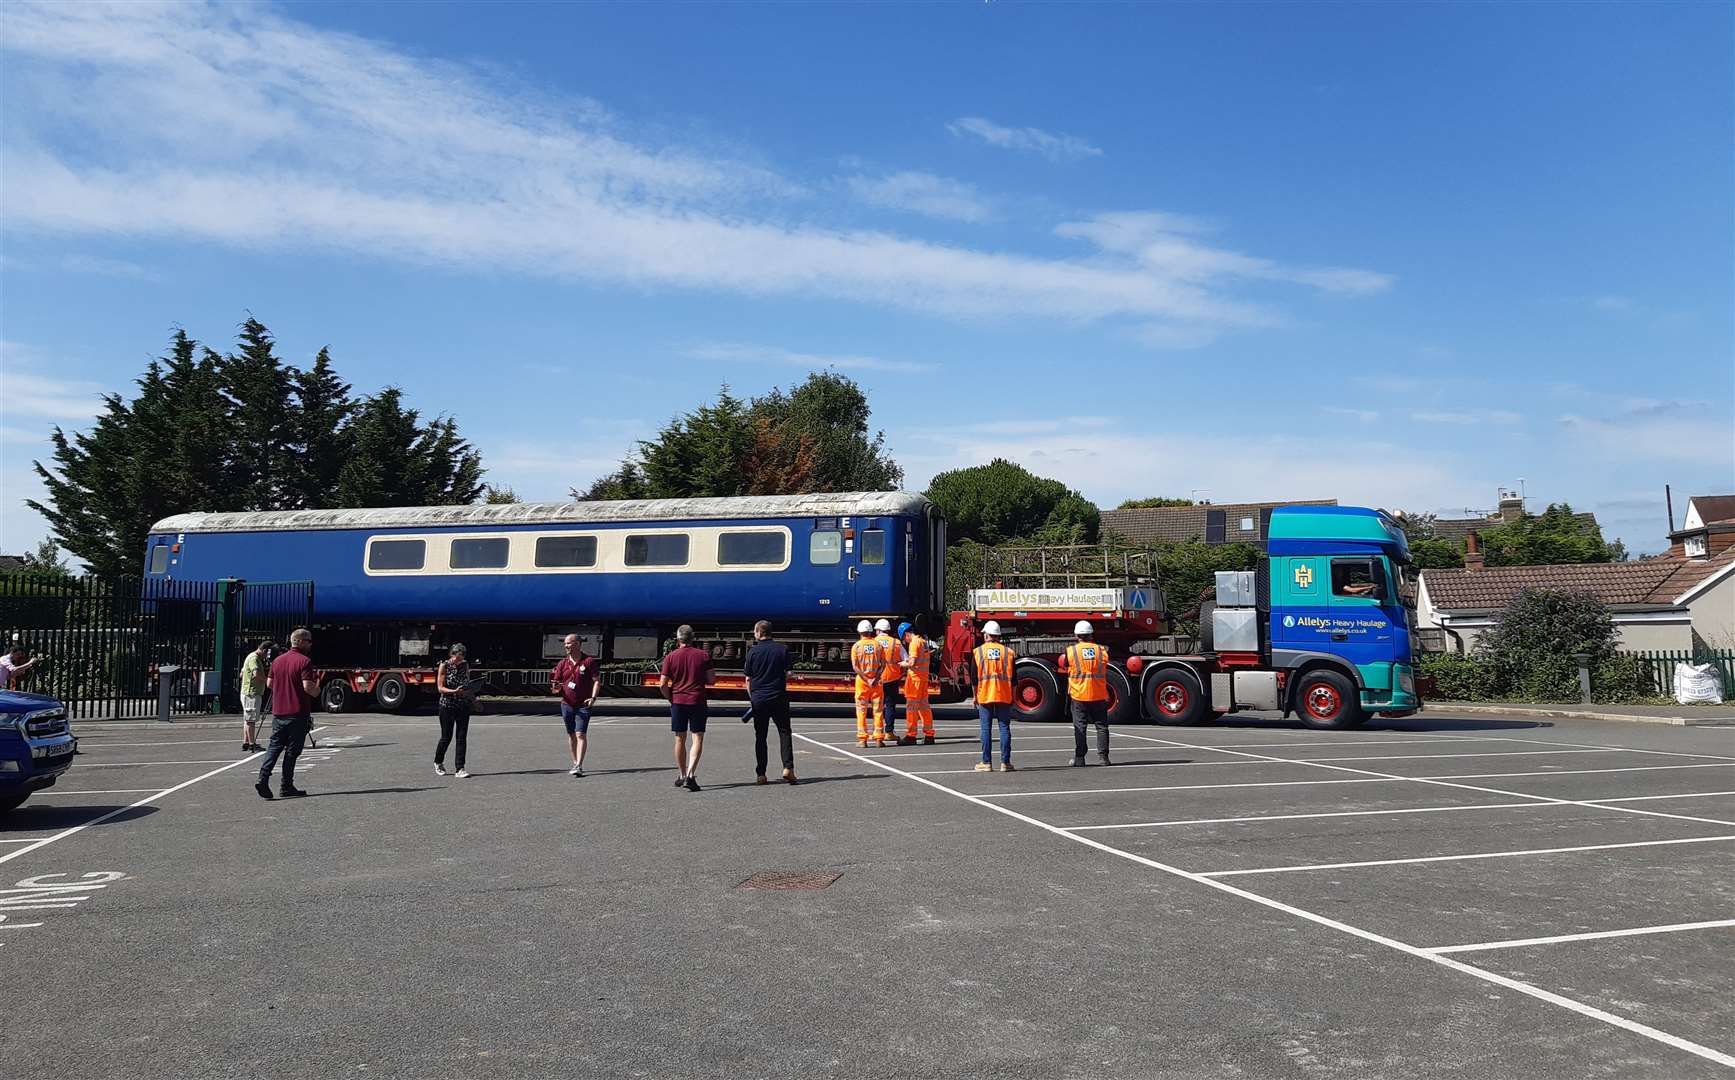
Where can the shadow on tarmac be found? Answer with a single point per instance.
(1416, 724)
(368, 791)
(34, 816)
(777, 781)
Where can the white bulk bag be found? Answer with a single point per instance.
(1698, 684)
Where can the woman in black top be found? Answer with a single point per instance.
(453, 680)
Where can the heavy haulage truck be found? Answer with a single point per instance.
(1321, 630)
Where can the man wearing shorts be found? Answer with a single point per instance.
(575, 680)
(686, 673)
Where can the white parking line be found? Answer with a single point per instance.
(1649, 798)
(1442, 782)
(1579, 1007)
(1459, 858)
(1594, 746)
(1297, 817)
(1491, 753)
(64, 833)
(99, 791)
(1633, 932)
(131, 764)
(1170, 787)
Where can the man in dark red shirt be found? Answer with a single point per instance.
(575, 680)
(294, 687)
(686, 672)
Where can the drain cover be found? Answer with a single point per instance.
(789, 879)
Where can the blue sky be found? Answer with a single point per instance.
(1400, 255)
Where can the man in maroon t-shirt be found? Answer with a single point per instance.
(294, 687)
(575, 680)
(686, 671)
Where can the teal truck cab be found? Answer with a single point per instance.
(36, 745)
(1322, 630)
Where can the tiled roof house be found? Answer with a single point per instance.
(1670, 602)
(1227, 523)
(1511, 508)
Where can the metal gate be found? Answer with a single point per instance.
(103, 640)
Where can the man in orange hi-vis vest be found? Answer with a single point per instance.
(916, 708)
(1086, 666)
(993, 664)
(864, 659)
(891, 673)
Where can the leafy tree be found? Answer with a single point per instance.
(1074, 520)
(1436, 554)
(814, 437)
(1153, 503)
(46, 560)
(241, 432)
(1187, 571)
(499, 495)
(1533, 641)
(999, 502)
(1554, 536)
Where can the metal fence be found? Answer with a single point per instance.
(1662, 665)
(103, 640)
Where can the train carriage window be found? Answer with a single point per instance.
(825, 547)
(482, 553)
(566, 551)
(160, 559)
(750, 549)
(873, 547)
(396, 554)
(657, 549)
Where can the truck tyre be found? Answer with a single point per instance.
(9, 803)
(1036, 692)
(1207, 631)
(335, 696)
(1123, 702)
(1327, 700)
(390, 692)
(1174, 695)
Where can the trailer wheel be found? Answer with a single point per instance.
(1123, 703)
(1326, 700)
(1174, 695)
(391, 691)
(335, 696)
(1036, 694)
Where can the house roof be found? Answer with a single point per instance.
(1714, 508)
(12, 562)
(1658, 582)
(1152, 523)
(1455, 529)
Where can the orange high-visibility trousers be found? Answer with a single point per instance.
(869, 697)
(917, 709)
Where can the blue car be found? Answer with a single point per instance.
(36, 745)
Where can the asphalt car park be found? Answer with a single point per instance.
(1435, 896)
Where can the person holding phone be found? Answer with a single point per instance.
(456, 698)
(575, 680)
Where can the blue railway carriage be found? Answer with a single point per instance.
(623, 574)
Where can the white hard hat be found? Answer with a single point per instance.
(991, 628)
(864, 627)
(884, 626)
(1082, 627)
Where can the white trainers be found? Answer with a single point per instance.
(576, 770)
(463, 774)
(439, 770)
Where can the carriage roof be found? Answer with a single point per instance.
(625, 511)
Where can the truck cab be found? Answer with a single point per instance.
(36, 745)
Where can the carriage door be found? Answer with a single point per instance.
(832, 554)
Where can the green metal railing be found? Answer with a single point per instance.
(1662, 664)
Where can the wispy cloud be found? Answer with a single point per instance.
(735, 353)
(97, 264)
(1051, 145)
(1612, 303)
(922, 193)
(1485, 416)
(242, 127)
(27, 394)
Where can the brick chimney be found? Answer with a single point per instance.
(1473, 557)
(1511, 506)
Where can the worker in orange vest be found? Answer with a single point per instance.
(891, 672)
(864, 659)
(1086, 666)
(917, 652)
(993, 666)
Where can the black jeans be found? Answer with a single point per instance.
(766, 713)
(453, 720)
(894, 698)
(1085, 713)
(288, 735)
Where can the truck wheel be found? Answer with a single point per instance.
(390, 692)
(1173, 695)
(1325, 699)
(335, 696)
(1123, 703)
(12, 802)
(1036, 694)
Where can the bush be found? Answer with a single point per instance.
(1458, 678)
(1622, 678)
